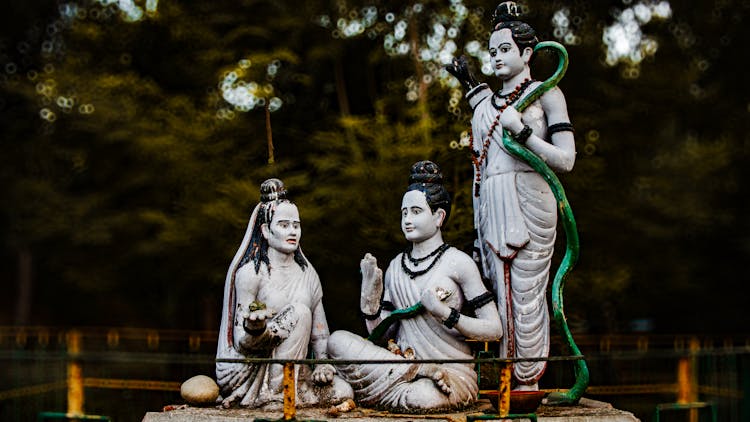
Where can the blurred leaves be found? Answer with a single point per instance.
(130, 178)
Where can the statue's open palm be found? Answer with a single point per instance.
(372, 284)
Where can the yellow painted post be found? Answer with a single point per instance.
(290, 390)
(503, 393)
(75, 374)
(113, 338)
(684, 392)
(687, 379)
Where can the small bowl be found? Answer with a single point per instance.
(520, 401)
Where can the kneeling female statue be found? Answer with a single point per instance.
(273, 308)
(445, 280)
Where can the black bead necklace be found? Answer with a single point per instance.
(437, 253)
(416, 261)
(510, 97)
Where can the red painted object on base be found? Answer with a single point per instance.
(520, 401)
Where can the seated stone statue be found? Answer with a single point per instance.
(445, 280)
(273, 308)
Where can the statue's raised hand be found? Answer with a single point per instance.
(460, 69)
(372, 285)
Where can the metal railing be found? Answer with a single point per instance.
(80, 354)
(503, 389)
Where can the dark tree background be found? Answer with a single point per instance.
(128, 170)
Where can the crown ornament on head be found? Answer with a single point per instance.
(506, 11)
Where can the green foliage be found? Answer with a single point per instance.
(130, 178)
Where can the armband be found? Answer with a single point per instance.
(559, 127)
(480, 300)
(452, 319)
(472, 98)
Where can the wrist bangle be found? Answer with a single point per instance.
(523, 135)
(371, 317)
(452, 319)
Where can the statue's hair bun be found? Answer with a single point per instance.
(506, 11)
(272, 190)
(508, 15)
(426, 177)
(425, 172)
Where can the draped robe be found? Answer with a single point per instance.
(516, 218)
(259, 384)
(287, 336)
(398, 387)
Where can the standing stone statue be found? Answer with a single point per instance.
(273, 308)
(515, 212)
(445, 281)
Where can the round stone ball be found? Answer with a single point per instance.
(200, 390)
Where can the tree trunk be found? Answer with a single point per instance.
(422, 105)
(341, 93)
(23, 304)
(343, 98)
(269, 134)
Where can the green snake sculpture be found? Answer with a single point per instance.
(572, 246)
(396, 315)
(571, 236)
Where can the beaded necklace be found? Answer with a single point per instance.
(510, 98)
(437, 253)
(416, 261)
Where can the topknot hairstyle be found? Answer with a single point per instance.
(271, 190)
(508, 15)
(506, 11)
(426, 177)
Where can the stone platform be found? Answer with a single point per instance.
(586, 411)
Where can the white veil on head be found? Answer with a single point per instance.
(270, 190)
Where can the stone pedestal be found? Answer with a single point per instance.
(586, 411)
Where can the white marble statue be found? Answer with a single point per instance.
(515, 212)
(273, 308)
(445, 280)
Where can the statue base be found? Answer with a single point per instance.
(586, 411)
